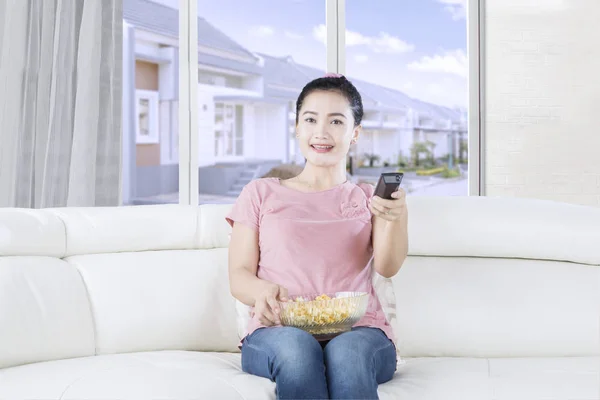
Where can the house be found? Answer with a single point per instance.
(246, 108)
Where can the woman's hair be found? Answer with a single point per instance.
(334, 83)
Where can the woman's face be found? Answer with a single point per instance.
(325, 128)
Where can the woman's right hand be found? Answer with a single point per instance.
(266, 306)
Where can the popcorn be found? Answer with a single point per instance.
(319, 313)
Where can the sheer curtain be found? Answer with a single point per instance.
(60, 102)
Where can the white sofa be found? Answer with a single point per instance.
(499, 299)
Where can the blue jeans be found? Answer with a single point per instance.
(350, 366)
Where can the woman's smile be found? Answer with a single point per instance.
(321, 148)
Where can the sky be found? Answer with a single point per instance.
(415, 46)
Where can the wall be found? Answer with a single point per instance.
(440, 139)
(206, 127)
(270, 137)
(387, 144)
(364, 145)
(542, 92)
(154, 180)
(218, 179)
(248, 128)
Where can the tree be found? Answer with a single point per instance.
(372, 158)
(419, 148)
(463, 148)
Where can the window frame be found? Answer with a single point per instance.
(476, 102)
(335, 22)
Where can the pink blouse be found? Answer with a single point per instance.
(312, 243)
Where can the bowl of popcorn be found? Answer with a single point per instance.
(324, 315)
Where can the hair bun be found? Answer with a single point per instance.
(333, 75)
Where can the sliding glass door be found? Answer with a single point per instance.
(246, 68)
(207, 96)
(409, 61)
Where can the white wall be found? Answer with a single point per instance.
(270, 133)
(169, 131)
(407, 138)
(255, 148)
(542, 91)
(365, 144)
(387, 144)
(249, 129)
(440, 139)
(206, 128)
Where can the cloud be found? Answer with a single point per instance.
(261, 31)
(382, 43)
(450, 91)
(356, 39)
(292, 35)
(320, 33)
(457, 8)
(386, 43)
(435, 89)
(361, 58)
(450, 62)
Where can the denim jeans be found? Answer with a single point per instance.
(350, 366)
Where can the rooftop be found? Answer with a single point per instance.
(284, 78)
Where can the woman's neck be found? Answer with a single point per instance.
(322, 178)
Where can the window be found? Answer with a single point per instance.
(151, 98)
(215, 79)
(252, 65)
(418, 75)
(229, 130)
(146, 111)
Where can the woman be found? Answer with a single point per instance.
(317, 233)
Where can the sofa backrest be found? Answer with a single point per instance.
(485, 277)
(498, 277)
(83, 281)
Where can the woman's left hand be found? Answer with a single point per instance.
(390, 210)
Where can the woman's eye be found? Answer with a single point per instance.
(337, 121)
(310, 120)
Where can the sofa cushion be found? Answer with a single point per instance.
(175, 375)
(160, 300)
(91, 230)
(477, 226)
(487, 307)
(44, 311)
(25, 232)
(561, 378)
(213, 230)
(165, 375)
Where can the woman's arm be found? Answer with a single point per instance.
(243, 282)
(243, 264)
(390, 233)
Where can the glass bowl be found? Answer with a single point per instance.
(324, 315)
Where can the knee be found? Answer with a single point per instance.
(347, 350)
(350, 369)
(297, 365)
(297, 352)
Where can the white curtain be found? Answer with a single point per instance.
(60, 102)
